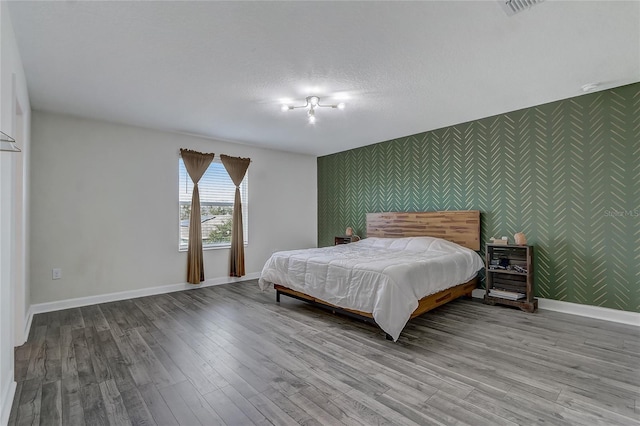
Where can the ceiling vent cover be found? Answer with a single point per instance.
(511, 7)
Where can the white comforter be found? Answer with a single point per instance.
(383, 276)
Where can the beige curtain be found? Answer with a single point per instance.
(196, 164)
(237, 168)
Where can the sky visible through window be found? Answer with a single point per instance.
(214, 186)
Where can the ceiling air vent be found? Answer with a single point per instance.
(511, 7)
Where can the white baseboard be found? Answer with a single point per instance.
(597, 312)
(27, 326)
(130, 294)
(590, 311)
(6, 400)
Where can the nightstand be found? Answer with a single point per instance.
(343, 239)
(509, 276)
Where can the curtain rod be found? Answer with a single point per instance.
(217, 156)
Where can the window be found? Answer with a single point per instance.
(217, 192)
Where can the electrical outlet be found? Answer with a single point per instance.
(56, 273)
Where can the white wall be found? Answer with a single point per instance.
(105, 207)
(14, 296)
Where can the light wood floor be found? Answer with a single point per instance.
(231, 355)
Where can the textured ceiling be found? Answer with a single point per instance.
(222, 69)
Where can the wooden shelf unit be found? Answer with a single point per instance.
(510, 256)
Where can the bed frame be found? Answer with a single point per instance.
(460, 227)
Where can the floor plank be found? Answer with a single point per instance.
(231, 355)
(93, 405)
(113, 403)
(137, 409)
(157, 405)
(30, 402)
(51, 407)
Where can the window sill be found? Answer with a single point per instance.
(184, 250)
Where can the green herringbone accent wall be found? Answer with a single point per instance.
(567, 174)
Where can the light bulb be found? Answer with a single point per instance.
(341, 105)
(313, 100)
(312, 119)
(285, 108)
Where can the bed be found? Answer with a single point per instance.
(409, 264)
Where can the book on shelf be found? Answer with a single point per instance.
(504, 294)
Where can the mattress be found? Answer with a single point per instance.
(382, 276)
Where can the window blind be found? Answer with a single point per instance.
(217, 193)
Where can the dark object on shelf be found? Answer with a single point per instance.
(509, 278)
(518, 268)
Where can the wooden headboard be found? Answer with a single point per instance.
(461, 227)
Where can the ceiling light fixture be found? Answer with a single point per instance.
(511, 7)
(7, 143)
(312, 103)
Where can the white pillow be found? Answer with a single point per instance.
(413, 244)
